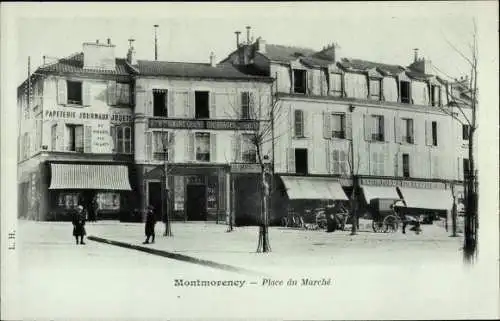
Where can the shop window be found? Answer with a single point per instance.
(298, 123)
(337, 124)
(248, 148)
(301, 166)
(407, 130)
(299, 81)
(160, 103)
(68, 200)
(405, 91)
(378, 128)
(74, 92)
(75, 138)
(201, 104)
(212, 192)
(375, 89)
(108, 201)
(202, 142)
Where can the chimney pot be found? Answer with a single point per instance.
(248, 34)
(237, 38)
(109, 41)
(97, 41)
(415, 54)
(212, 59)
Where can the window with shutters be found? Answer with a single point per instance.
(74, 93)
(337, 125)
(375, 89)
(160, 145)
(202, 147)
(407, 130)
(160, 103)
(248, 148)
(377, 164)
(122, 93)
(336, 85)
(436, 95)
(406, 165)
(465, 132)
(434, 133)
(53, 137)
(299, 81)
(122, 139)
(377, 128)
(298, 121)
(404, 91)
(202, 104)
(74, 136)
(339, 162)
(245, 105)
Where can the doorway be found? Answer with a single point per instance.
(154, 198)
(196, 202)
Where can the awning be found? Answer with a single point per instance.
(83, 176)
(437, 199)
(313, 188)
(371, 192)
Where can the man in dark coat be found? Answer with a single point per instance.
(332, 219)
(150, 225)
(79, 224)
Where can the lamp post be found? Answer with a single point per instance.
(164, 200)
(264, 245)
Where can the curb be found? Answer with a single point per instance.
(175, 256)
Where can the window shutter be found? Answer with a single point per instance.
(171, 146)
(348, 126)
(86, 97)
(149, 146)
(460, 169)
(328, 158)
(213, 147)
(416, 132)
(305, 127)
(190, 146)
(291, 160)
(171, 104)
(251, 106)
(60, 133)
(397, 130)
(112, 134)
(310, 82)
(327, 131)
(213, 109)
(374, 163)
(335, 161)
(87, 139)
(190, 104)
(428, 133)
(236, 102)
(62, 92)
(399, 162)
(343, 162)
(112, 93)
(367, 127)
(385, 128)
(236, 142)
(324, 83)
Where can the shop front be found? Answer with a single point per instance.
(246, 188)
(194, 192)
(102, 189)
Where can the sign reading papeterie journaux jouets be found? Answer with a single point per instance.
(59, 114)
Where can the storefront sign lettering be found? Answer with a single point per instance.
(204, 124)
(58, 114)
(245, 168)
(401, 183)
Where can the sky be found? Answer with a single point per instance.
(381, 32)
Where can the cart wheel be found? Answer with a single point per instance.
(377, 226)
(391, 224)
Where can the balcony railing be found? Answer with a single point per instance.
(160, 156)
(338, 134)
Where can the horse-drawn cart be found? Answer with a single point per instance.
(385, 215)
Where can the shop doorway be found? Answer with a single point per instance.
(196, 203)
(154, 198)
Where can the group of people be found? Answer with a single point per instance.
(80, 217)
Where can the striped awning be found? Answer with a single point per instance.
(372, 192)
(438, 199)
(83, 176)
(313, 188)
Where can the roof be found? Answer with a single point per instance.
(366, 65)
(195, 70)
(286, 53)
(74, 64)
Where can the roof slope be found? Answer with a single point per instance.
(286, 53)
(74, 64)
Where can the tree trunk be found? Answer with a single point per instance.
(233, 205)
(470, 239)
(354, 212)
(166, 202)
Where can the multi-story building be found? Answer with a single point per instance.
(388, 127)
(199, 119)
(75, 135)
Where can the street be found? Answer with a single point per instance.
(391, 276)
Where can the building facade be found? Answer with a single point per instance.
(386, 129)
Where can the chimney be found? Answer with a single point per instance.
(131, 57)
(248, 34)
(212, 59)
(261, 45)
(99, 56)
(109, 41)
(237, 38)
(156, 41)
(415, 50)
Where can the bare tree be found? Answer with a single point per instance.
(353, 172)
(465, 98)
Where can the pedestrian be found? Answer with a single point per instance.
(150, 225)
(332, 223)
(95, 208)
(79, 224)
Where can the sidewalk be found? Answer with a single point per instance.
(290, 247)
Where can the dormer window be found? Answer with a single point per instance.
(404, 91)
(375, 91)
(299, 81)
(74, 92)
(435, 95)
